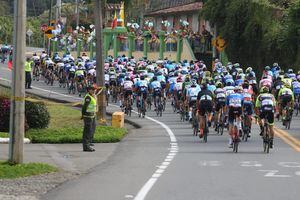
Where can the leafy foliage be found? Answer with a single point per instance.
(37, 115)
(257, 32)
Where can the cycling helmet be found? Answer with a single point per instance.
(127, 78)
(267, 68)
(249, 69)
(238, 89)
(286, 75)
(142, 77)
(290, 71)
(194, 82)
(204, 86)
(219, 85)
(154, 78)
(187, 79)
(179, 79)
(246, 84)
(275, 65)
(264, 89)
(236, 65)
(287, 85)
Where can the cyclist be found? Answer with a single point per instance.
(277, 86)
(127, 86)
(234, 105)
(192, 93)
(205, 105)
(178, 91)
(142, 89)
(265, 108)
(286, 98)
(248, 104)
(156, 90)
(220, 100)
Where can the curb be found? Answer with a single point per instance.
(132, 123)
(6, 140)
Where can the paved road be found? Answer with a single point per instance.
(166, 162)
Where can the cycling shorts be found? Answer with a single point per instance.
(71, 75)
(285, 100)
(220, 104)
(192, 103)
(157, 93)
(233, 113)
(267, 115)
(248, 108)
(206, 106)
(127, 93)
(113, 83)
(143, 91)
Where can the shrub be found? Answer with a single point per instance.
(4, 114)
(37, 115)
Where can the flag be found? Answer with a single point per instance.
(114, 23)
(122, 15)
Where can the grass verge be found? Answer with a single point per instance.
(67, 127)
(8, 171)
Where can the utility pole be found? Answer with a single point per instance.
(50, 12)
(101, 114)
(58, 10)
(17, 110)
(77, 13)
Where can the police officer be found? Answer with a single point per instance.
(28, 69)
(89, 110)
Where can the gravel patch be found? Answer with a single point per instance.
(30, 188)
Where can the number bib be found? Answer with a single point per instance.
(235, 102)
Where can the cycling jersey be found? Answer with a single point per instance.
(220, 94)
(178, 86)
(155, 85)
(127, 85)
(296, 88)
(212, 88)
(265, 102)
(79, 72)
(235, 100)
(192, 93)
(205, 95)
(266, 83)
(229, 90)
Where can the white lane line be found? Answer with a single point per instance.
(173, 150)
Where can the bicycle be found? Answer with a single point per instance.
(128, 106)
(246, 128)
(235, 136)
(266, 138)
(195, 122)
(159, 105)
(220, 125)
(182, 111)
(288, 117)
(205, 130)
(71, 87)
(141, 106)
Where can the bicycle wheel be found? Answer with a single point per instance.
(205, 131)
(235, 145)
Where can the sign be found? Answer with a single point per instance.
(29, 33)
(48, 32)
(44, 27)
(219, 43)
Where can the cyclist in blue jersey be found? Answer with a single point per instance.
(234, 103)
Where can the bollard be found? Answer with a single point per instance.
(117, 120)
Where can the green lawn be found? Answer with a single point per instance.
(22, 170)
(66, 127)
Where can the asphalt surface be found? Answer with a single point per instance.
(148, 165)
